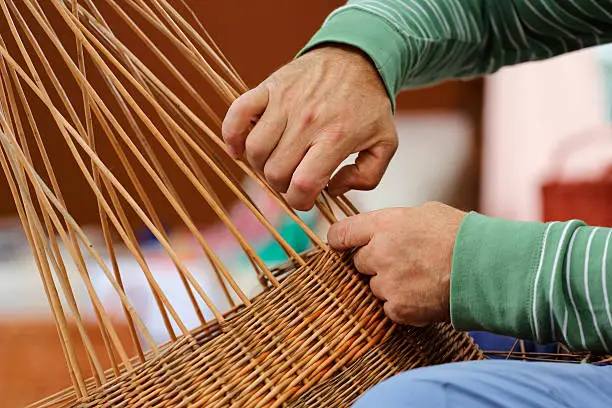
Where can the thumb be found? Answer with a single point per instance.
(352, 232)
(366, 173)
(240, 118)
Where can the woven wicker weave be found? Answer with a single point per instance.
(140, 138)
(301, 343)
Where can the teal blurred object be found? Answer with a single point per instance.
(272, 253)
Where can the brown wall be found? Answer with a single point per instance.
(32, 364)
(257, 38)
(261, 37)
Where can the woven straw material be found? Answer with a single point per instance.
(320, 339)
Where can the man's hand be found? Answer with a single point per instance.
(305, 119)
(408, 252)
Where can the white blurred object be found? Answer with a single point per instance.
(433, 151)
(604, 57)
(21, 291)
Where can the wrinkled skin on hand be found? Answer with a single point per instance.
(408, 254)
(301, 123)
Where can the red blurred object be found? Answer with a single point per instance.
(588, 199)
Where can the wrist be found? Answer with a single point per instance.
(373, 36)
(344, 54)
(353, 66)
(340, 51)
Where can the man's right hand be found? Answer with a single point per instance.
(302, 122)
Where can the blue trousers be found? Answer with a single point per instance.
(495, 384)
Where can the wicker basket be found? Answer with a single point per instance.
(93, 80)
(130, 94)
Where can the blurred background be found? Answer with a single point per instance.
(529, 143)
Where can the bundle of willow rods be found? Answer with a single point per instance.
(113, 88)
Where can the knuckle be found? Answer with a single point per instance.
(360, 260)
(308, 116)
(255, 157)
(376, 289)
(305, 184)
(390, 137)
(395, 143)
(274, 174)
(395, 312)
(391, 311)
(342, 235)
(392, 146)
(378, 217)
(235, 105)
(432, 204)
(255, 152)
(396, 213)
(230, 136)
(382, 254)
(429, 204)
(369, 181)
(385, 218)
(242, 105)
(272, 84)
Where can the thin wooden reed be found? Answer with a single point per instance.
(138, 121)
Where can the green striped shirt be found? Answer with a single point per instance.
(548, 282)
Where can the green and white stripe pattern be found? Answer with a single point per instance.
(571, 293)
(427, 41)
(549, 282)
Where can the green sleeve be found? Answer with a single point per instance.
(415, 43)
(546, 282)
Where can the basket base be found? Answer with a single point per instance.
(320, 336)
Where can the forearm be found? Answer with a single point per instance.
(547, 282)
(579, 304)
(415, 43)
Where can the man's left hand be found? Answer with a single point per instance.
(408, 254)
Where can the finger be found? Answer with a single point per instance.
(400, 315)
(287, 155)
(377, 287)
(366, 173)
(391, 312)
(363, 260)
(240, 118)
(264, 137)
(354, 231)
(313, 174)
